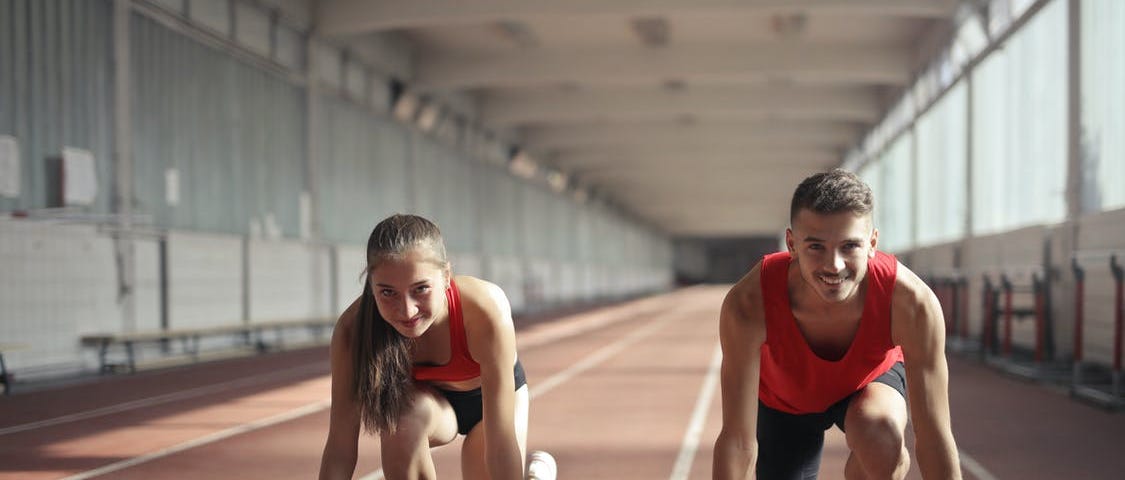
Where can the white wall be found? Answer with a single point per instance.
(205, 286)
(289, 280)
(56, 283)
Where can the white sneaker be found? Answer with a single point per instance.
(541, 466)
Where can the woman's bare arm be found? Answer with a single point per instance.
(339, 458)
(492, 343)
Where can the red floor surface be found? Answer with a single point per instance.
(614, 392)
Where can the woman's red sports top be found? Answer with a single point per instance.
(461, 365)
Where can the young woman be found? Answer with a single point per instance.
(421, 357)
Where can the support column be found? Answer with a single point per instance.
(1074, 112)
(123, 165)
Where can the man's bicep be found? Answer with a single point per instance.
(739, 373)
(927, 373)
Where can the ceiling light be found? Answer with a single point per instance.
(557, 180)
(429, 116)
(521, 165)
(517, 33)
(653, 31)
(406, 106)
(789, 26)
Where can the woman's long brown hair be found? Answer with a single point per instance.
(382, 361)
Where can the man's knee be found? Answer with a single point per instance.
(874, 429)
(875, 425)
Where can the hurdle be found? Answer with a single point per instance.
(951, 288)
(1089, 383)
(1001, 310)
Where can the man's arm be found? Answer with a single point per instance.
(919, 327)
(741, 334)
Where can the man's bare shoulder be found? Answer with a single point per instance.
(745, 297)
(916, 318)
(910, 292)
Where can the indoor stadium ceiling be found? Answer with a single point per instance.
(698, 116)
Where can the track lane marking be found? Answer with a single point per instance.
(158, 400)
(974, 467)
(589, 362)
(690, 445)
(592, 360)
(206, 439)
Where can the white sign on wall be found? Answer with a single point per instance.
(80, 177)
(9, 167)
(304, 209)
(172, 186)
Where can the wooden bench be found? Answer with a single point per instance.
(251, 334)
(5, 377)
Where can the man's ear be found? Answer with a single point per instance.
(789, 240)
(874, 242)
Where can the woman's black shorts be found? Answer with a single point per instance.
(467, 405)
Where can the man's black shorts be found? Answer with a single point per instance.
(789, 445)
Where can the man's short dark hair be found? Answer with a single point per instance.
(831, 192)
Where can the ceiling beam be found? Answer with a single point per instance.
(848, 64)
(351, 17)
(735, 210)
(859, 105)
(747, 175)
(718, 218)
(702, 156)
(748, 184)
(821, 134)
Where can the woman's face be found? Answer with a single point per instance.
(410, 292)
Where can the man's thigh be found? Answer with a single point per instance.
(887, 393)
(789, 445)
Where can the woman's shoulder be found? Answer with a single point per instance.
(345, 325)
(477, 289)
(481, 299)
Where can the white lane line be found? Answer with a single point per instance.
(974, 467)
(532, 339)
(157, 400)
(376, 475)
(587, 363)
(690, 445)
(597, 357)
(214, 437)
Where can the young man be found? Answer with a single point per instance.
(832, 332)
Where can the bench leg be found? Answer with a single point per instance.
(103, 352)
(4, 375)
(259, 341)
(132, 359)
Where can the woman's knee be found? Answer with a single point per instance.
(424, 419)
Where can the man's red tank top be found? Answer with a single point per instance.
(461, 365)
(793, 378)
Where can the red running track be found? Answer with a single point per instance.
(621, 392)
